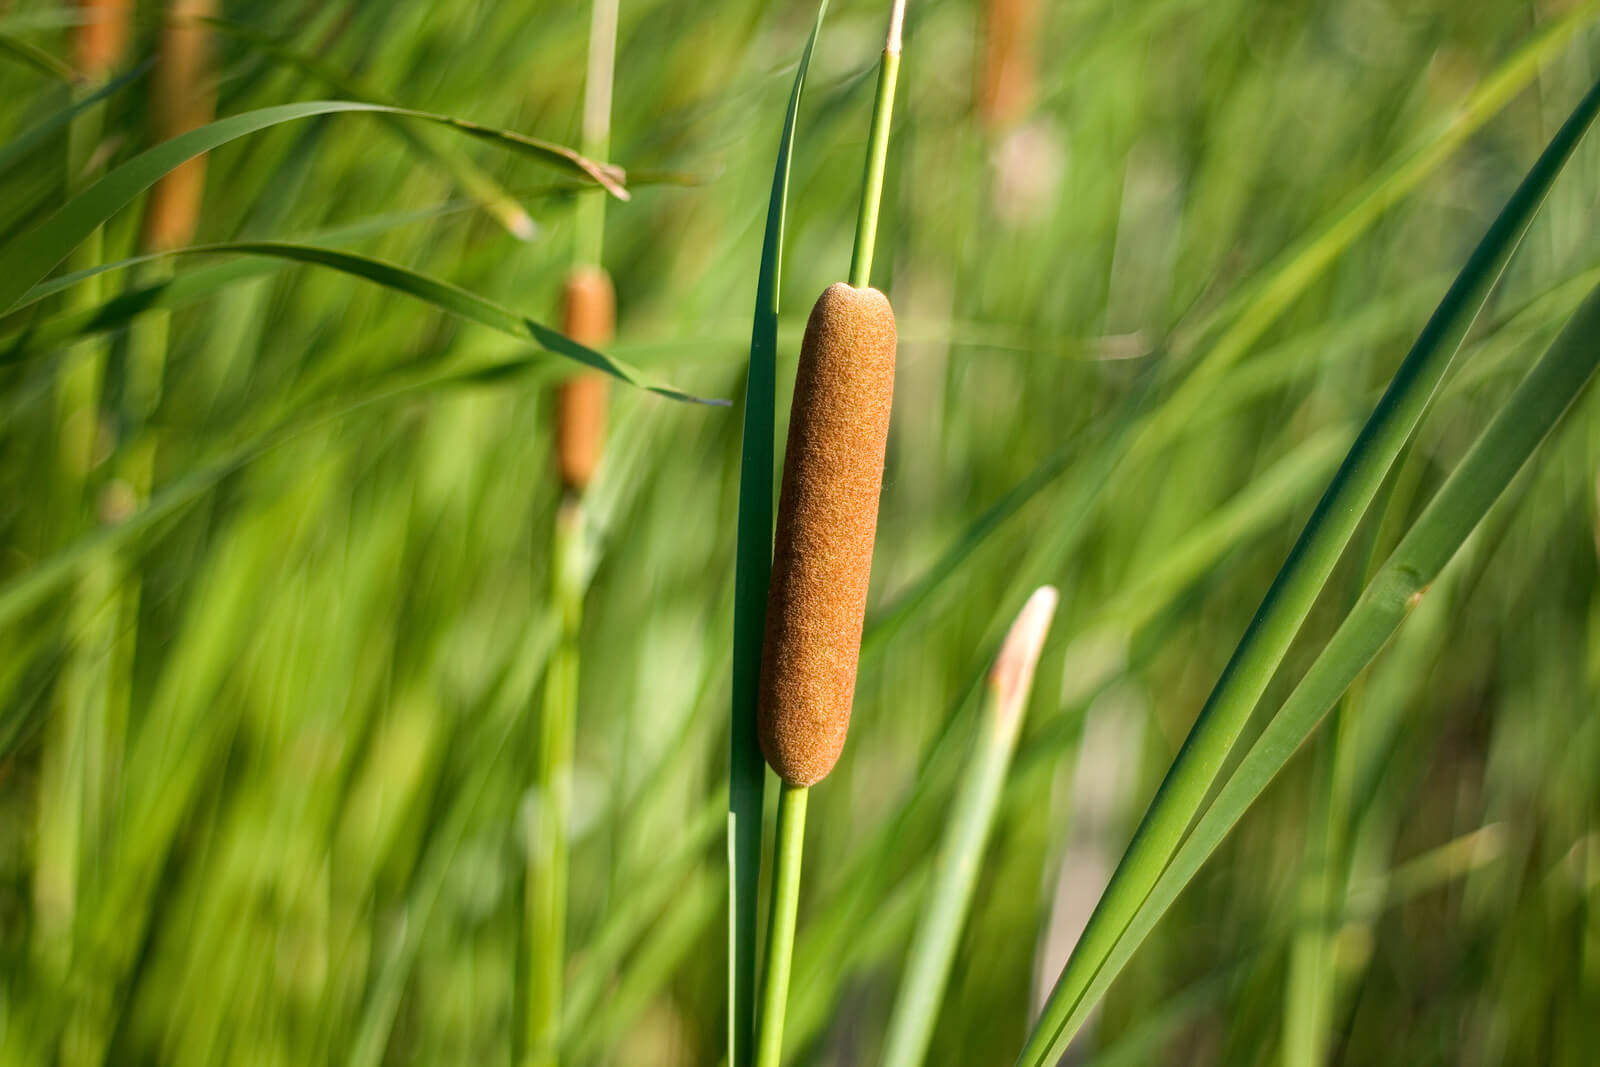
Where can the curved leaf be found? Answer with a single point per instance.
(29, 257)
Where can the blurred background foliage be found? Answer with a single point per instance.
(266, 719)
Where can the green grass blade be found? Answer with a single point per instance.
(461, 169)
(451, 299)
(1289, 599)
(29, 257)
(37, 59)
(1005, 700)
(1502, 450)
(36, 136)
(752, 573)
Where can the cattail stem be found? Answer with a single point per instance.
(545, 891)
(590, 224)
(877, 153)
(788, 851)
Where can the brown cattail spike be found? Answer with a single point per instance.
(588, 316)
(827, 517)
(183, 97)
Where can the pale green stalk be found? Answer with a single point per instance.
(548, 864)
(75, 744)
(944, 912)
(546, 888)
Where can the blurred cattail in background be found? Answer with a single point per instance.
(183, 97)
(827, 518)
(588, 316)
(1006, 69)
(101, 37)
(1026, 156)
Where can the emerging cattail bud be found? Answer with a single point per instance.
(588, 316)
(827, 517)
(1006, 71)
(101, 36)
(182, 98)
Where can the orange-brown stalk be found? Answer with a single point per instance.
(182, 98)
(827, 518)
(1006, 71)
(588, 316)
(101, 37)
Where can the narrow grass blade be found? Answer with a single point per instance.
(1289, 600)
(30, 256)
(752, 573)
(36, 136)
(451, 299)
(36, 58)
(461, 169)
(1005, 699)
(1502, 450)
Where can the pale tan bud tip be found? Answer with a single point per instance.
(588, 316)
(1011, 677)
(827, 518)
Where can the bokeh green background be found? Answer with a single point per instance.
(298, 831)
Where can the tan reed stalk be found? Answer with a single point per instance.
(827, 518)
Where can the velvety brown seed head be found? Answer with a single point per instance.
(101, 36)
(588, 316)
(1006, 71)
(183, 97)
(827, 517)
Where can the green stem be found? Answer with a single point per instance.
(787, 854)
(877, 154)
(546, 889)
(590, 224)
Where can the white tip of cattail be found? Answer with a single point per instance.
(897, 18)
(520, 225)
(1012, 674)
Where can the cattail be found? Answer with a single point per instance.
(101, 36)
(1006, 73)
(183, 97)
(588, 316)
(827, 516)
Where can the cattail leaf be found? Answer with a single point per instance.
(752, 573)
(29, 257)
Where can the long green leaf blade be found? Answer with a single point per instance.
(29, 257)
(1502, 450)
(1289, 599)
(752, 573)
